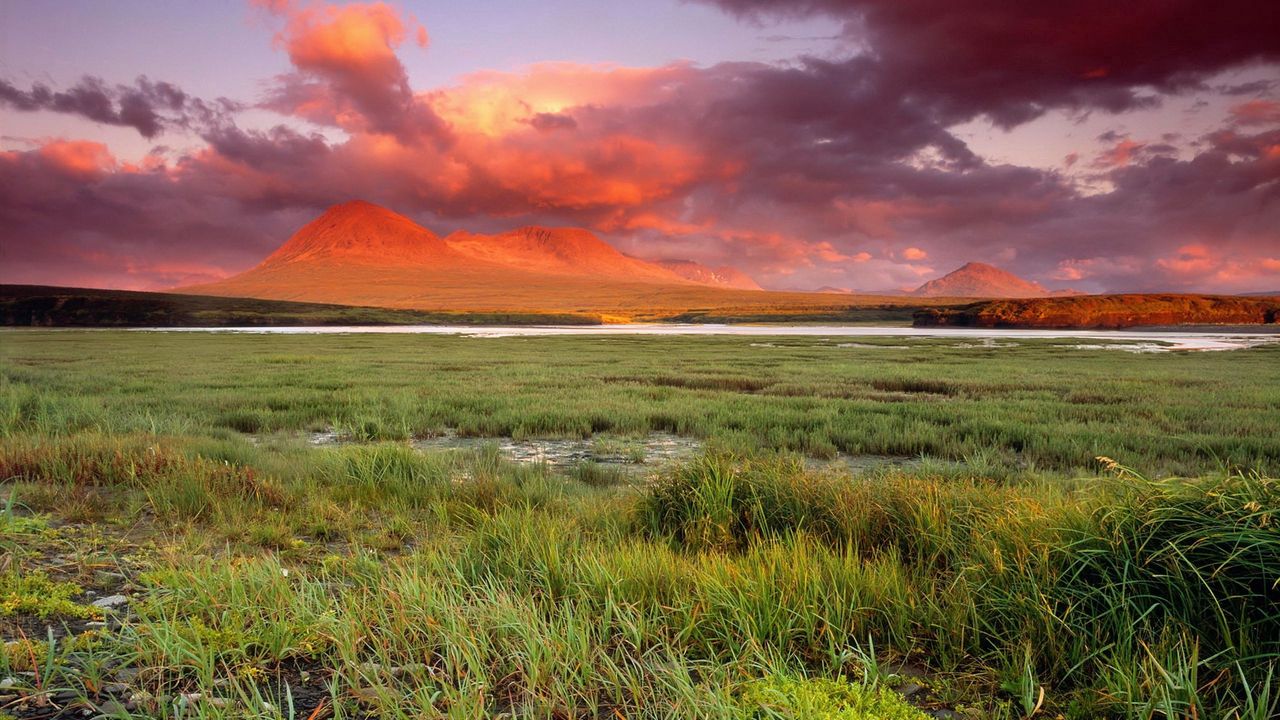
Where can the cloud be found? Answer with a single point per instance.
(1256, 112)
(1014, 60)
(348, 73)
(822, 171)
(78, 158)
(146, 106)
(1119, 155)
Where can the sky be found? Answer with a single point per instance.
(859, 144)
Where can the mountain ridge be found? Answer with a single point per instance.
(558, 251)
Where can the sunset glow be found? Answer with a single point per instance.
(1090, 146)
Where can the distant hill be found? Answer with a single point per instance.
(979, 280)
(1106, 311)
(361, 254)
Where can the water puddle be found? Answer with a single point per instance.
(656, 451)
(1125, 347)
(986, 343)
(871, 346)
(859, 464)
(649, 452)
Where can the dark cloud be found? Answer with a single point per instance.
(74, 216)
(552, 121)
(1014, 59)
(1255, 87)
(147, 106)
(796, 38)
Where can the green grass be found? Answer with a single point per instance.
(1041, 406)
(35, 594)
(269, 578)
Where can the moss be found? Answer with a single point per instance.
(35, 594)
(14, 525)
(823, 699)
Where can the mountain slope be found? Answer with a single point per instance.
(557, 251)
(361, 232)
(980, 280)
(723, 276)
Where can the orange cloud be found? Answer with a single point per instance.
(338, 38)
(915, 253)
(1256, 112)
(494, 103)
(610, 171)
(349, 73)
(1198, 263)
(82, 158)
(1120, 155)
(1191, 259)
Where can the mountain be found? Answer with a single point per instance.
(558, 251)
(361, 254)
(723, 276)
(361, 232)
(979, 280)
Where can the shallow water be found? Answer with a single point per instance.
(635, 454)
(1130, 340)
(654, 450)
(651, 451)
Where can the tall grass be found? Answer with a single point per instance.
(1157, 577)
(513, 590)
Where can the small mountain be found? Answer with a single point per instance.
(363, 233)
(979, 280)
(723, 276)
(558, 251)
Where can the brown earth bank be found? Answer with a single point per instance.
(1106, 311)
(46, 306)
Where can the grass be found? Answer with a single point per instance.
(1040, 406)
(268, 578)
